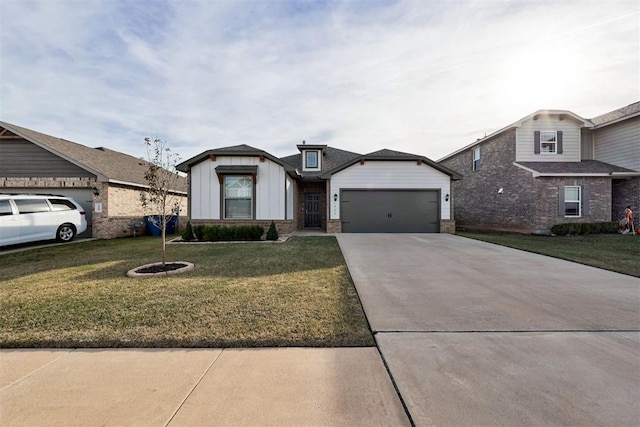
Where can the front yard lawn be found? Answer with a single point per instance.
(297, 293)
(615, 252)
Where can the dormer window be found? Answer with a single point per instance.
(311, 160)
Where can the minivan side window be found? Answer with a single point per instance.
(61, 205)
(27, 206)
(5, 208)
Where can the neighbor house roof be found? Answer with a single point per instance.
(584, 168)
(108, 165)
(615, 116)
(391, 155)
(241, 150)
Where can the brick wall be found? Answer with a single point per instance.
(45, 183)
(625, 192)
(334, 226)
(547, 200)
(121, 208)
(476, 201)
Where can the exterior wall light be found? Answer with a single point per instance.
(96, 192)
(446, 198)
(335, 197)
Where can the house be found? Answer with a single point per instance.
(320, 188)
(549, 167)
(105, 182)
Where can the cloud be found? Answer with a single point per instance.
(415, 76)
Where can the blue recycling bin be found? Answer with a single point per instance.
(156, 230)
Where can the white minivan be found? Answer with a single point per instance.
(32, 217)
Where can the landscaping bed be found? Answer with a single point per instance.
(615, 252)
(298, 293)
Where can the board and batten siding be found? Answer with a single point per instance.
(270, 195)
(619, 144)
(391, 175)
(20, 158)
(570, 140)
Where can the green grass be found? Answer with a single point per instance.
(615, 252)
(297, 293)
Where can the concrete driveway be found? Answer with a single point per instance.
(479, 334)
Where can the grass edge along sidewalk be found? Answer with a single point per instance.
(297, 293)
(613, 252)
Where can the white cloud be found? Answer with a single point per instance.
(416, 76)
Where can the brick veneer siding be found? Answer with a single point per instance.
(625, 192)
(476, 202)
(121, 208)
(283, 226)
(547, 200)
(334, 226)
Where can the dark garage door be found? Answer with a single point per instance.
(390, 211)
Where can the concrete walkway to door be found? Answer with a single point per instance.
(479, 334)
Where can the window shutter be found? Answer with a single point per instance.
(536, 142)
(585, 200)
(561, 201)
(559, 142)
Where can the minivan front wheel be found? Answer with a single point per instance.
(65, 233)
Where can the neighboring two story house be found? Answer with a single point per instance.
(550, 167)
(320, 188)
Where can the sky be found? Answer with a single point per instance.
(425, 77)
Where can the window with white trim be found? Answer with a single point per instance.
(238, 197)
(311, 160)
(572, 200)
(548, 142)
(476, 159)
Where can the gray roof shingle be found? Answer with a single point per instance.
(618, 114)
(583, 167)
(332, 158)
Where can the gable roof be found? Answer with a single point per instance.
(108, 165)
(517, 123)
(615, 116)
(235, 150)
(391, 155)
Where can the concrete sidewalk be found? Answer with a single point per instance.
(288, 386)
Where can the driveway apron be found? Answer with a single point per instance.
(479, 334)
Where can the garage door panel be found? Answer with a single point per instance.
(390, 211)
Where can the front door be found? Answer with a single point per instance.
(312, 210)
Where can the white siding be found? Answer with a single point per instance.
(570, 139)
(289, 192)
(392, 175)
(619, 144)
(270, 188)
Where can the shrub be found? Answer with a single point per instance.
(198, 230)
(188, 233)
(216, 233)
(576, 228)
(272, 234)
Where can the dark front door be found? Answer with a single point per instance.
(312, 210)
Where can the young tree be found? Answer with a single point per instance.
(160, 199)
